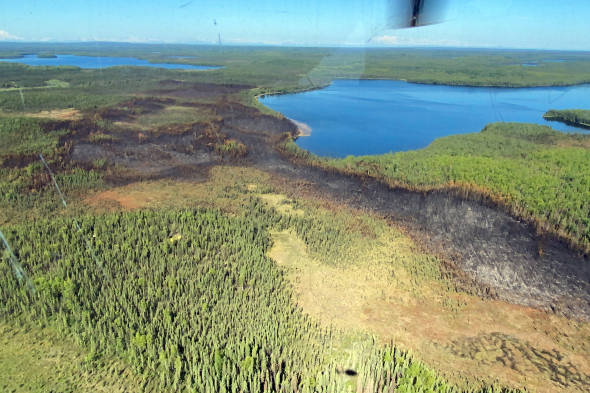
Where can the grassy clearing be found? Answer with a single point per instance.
(172, 114)
(281, 204)
(39, 360)
(535, 172)
(57, 114)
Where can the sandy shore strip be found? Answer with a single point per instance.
(302, 128)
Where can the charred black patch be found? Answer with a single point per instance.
(191, 90)
(18, 160)
(128, 110)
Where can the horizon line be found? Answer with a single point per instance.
(293, 45)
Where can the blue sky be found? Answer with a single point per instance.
(542, 24)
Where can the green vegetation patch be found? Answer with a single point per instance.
(47, 99)
(576, 117)
(232, 148)
(538, 173)
(26, 189)
(176, 115)
(25, 136)
(38, 360)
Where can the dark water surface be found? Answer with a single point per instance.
(359, 117)
(99, 62)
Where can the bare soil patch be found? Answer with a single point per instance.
(117, 198)
(149, 194)
(220, 186)
(58, 114)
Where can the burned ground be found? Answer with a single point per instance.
(503, 255)
(191, 90)
(127, 109)
(150, 156)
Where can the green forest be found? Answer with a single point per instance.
(208, 312)
(281, 69)
(26, 191)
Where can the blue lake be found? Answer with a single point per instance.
(100, 62)
(359, 117)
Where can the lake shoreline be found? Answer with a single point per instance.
(368, 117)
(100, 62)
(582, 126)
(303, 129)
(561, 117)
(417, 82)
(498, 86)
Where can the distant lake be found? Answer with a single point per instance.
(536, 63)
(99, 62)
(360, 117)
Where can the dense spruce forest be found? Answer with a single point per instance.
(208, 312)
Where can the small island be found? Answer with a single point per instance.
(573, 117)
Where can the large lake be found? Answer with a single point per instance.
(99, 62)
(359, 117)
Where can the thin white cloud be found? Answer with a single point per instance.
(6, 36)
(245, 41)
(386, 39)
(402, 40)
(129, 39)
